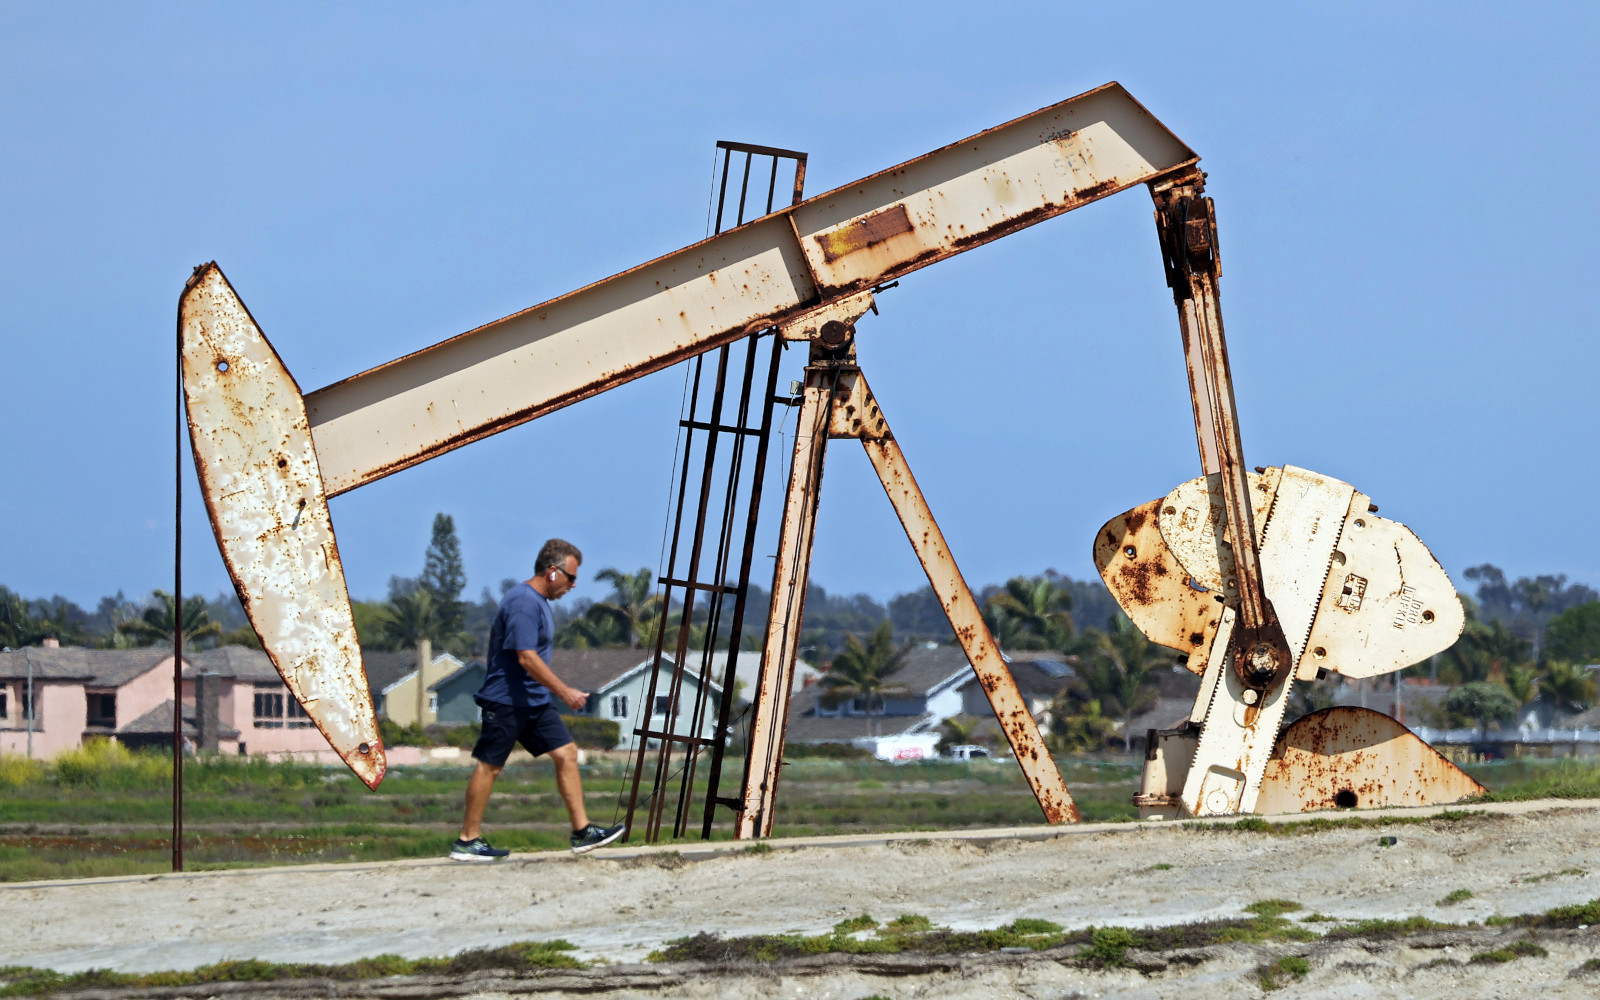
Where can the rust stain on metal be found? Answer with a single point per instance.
(263, 489)
(1151, 587)
(1349, 757)
(869, 231)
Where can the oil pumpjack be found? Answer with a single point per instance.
(1263, 580)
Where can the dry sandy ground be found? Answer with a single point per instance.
(618, 905)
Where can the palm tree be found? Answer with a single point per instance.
(1120, 662)
(409, 617)
(862, 672)
(1523, 682)
(1485, 651)
(632, 603)
(155, 625)
(1571, 687)
(1040, 609)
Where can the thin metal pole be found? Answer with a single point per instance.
(177, 620)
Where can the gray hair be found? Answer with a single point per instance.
(554, 554)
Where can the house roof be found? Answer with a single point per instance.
(598, 669)
(475, 666)
(805, 726)
(409, 673)
(1587, 719)
(94, 667)
(158, 721)
(1038, 675)
(239, 663)
(384, 667)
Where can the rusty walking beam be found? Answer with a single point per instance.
(269, 458)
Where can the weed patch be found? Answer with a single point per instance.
(1385, 928)
(1510, 953)
(906, 933)
(1579, 872)
(17, 981)
(1275, 975)
(1273, 907)
(1319, 824)
(1456, 896)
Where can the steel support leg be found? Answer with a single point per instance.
(861, 417)
(792, 573)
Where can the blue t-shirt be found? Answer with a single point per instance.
(524, 621)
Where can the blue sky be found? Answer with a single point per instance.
(1405, 226)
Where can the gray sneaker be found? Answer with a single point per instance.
(476, 849)
(592, 836)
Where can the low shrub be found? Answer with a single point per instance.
(592, 733)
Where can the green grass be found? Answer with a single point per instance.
(1456, 896)
(1529, 778)
(906, 933)
(1319, 824)
(1273, 907)
(104, 811)
(1385, 928)
(1277, 974)
(21, 981)
(1510, 953)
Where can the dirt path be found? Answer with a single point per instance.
(619, 905)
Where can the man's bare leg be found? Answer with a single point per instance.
(569, 783)
(478, 788)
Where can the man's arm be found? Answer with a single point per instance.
(540, 671)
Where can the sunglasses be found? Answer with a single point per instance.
(570, 577)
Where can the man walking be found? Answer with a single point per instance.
(517, 707)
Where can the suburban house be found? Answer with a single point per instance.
(618, 682)
(126, 695)
(397, 698)
(383, 668)
(77, 694)
(451, 696)
(937, 683)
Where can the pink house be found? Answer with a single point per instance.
(126, 695)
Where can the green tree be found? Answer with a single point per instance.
(1484, 702)
(633, 604)
(1522, 682)
(1569, 686)
(1078, 729)
(155, 625)
(17, 627)
(585, 629)
(443, 575)
(1574, 634)
(1485, 651)
(1040, 611)
(410, 617)
(1118, 668)
(863, 671)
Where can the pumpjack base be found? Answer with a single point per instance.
(1338, 758)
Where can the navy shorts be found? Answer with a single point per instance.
(504, 726)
